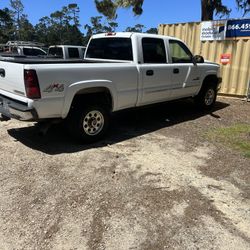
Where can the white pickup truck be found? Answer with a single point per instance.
(67, 51)
(120, 71)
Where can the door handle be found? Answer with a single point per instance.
(176, 71)
(2, 72)
(149, 72)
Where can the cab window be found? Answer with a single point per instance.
(179, 52)
(73, 53)
(33, 52)
(153, 50)
(56, 51)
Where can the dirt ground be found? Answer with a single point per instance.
(155, 182)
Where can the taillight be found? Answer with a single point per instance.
(31, 84)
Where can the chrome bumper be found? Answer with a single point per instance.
(14, 109)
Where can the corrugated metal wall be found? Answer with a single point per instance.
(236, 75)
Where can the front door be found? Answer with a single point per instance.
(185, 74)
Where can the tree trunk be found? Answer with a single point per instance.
(207, 10)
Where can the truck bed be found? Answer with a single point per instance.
(44, 60)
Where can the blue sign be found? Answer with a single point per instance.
(238, 28)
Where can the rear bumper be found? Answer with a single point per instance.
(17, 110)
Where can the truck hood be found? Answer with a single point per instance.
(213, 63)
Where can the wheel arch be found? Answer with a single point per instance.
(86, 92)
(206, 97)
(209, 79)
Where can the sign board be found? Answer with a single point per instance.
(213, 30)
(238, 28)
(225, 59)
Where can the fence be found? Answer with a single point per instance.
(236, 74)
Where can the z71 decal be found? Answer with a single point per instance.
(57, 87)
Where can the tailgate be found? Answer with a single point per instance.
(12, 78)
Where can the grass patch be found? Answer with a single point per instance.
(236, 136)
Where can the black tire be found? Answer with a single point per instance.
(88, 123)
(206, 98)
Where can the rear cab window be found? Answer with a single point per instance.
(110, 48)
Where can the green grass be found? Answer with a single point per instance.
(236, 136)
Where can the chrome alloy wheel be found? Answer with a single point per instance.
(209, 97)
(93, 123)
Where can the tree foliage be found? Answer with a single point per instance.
(109, 7)
(98, 25)
(6, 25)
(137, 28)
(152, 31)
(209, 8)
(61, 27)
(17, 15)
(244, 5)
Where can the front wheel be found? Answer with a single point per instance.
(89, 124)
(207, 97)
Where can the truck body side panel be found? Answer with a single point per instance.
(60, 83)
(130, 83)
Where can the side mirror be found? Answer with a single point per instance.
(198, 59)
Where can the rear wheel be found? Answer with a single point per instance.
(207, 97)
(89, 123)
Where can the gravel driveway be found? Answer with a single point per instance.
(156, 182)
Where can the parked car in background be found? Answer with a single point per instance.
(30, 51)
(2, 47)
(67, 51)
(23, 48)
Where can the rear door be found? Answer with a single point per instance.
(155, 71)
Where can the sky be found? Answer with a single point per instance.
(155, 12)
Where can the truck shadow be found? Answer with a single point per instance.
(125, 125)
